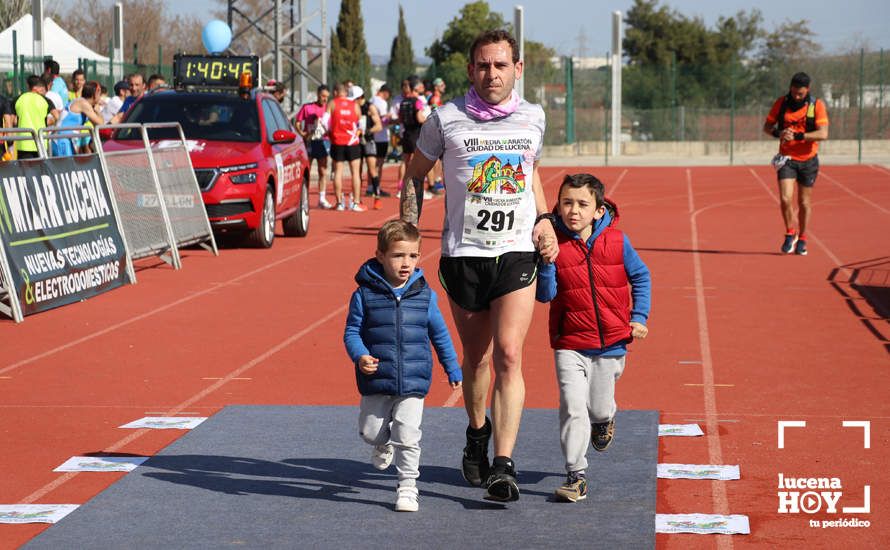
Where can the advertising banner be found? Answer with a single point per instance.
(60, 237)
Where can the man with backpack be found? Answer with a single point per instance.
(800, 122)
(411, 117)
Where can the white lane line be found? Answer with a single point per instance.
(617, 183)
(854, 193)
(715, 454)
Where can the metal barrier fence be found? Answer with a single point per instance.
(133, 177)
(182, 194)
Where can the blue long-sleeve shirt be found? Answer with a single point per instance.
(637, 273)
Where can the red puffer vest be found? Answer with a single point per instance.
(592, 306)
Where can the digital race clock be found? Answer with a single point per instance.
(213, 70)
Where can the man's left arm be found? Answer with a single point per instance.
(544, 234)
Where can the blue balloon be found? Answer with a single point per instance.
(216, 36)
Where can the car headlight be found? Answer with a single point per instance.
(249, 177)
(237, 167)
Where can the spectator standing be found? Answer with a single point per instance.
(51, 68)
(344, 117)
(121, 91)
(78, 79)
(33, 111)
(308, 125)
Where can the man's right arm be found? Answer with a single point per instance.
(431, 143)
(408, 202)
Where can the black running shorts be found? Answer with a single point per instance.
(382, 149)
(409, 141)
(317, 149)
(473, 282)
(342, 153)
(804, 171)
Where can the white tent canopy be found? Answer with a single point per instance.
(63, 47)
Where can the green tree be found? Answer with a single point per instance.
(349, 52)
(674, 59)
(401, 55)
(538, 68)
(450, 53)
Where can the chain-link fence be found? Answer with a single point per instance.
(725, 103)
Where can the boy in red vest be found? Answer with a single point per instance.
(591, 319)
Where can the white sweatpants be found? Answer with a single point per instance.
(586, 395)
(396, 420)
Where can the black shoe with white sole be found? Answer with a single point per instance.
(474, 466)
(501, 484)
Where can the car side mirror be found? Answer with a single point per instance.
(283, 136)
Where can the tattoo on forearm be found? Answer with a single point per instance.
(408, 202)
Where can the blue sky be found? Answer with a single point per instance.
(839, 26)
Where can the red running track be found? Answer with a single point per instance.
(741, 337)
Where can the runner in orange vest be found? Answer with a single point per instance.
(800, 122)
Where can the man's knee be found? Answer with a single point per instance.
(508, 358)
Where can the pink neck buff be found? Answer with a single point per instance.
(479, 109)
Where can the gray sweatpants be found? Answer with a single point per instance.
(586, 395)
(396, 420)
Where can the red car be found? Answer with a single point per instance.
(250, 166)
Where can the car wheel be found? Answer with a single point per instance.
(297, 224)
(264, 234)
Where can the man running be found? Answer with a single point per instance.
(490, 142)
(800, 122)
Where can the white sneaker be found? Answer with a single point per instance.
(381, 456)
(323, 203)
(427, 194)
(340, 207)
(406, 499)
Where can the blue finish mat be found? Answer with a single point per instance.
(296, 477)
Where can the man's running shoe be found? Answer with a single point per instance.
(438, 187)
(801, 247)
(382, 193)
(573, 490)
(324, 204)
(340, 207)
(369, 192)
(501, 484)
(378, 204)
(427, 194)
(788, 245)
(601, 434)
(475, 465)
(358, 207)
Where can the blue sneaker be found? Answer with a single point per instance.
(788, 245)
(801, 247)
(438, 187)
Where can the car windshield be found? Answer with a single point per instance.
(209, 117)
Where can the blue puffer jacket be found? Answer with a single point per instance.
(396, 326)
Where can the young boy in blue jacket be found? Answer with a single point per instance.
(591, 319)
(393, 317)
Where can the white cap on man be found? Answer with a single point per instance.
(355, 92)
